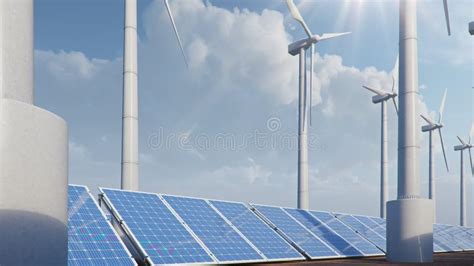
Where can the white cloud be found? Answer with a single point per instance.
(69, 65)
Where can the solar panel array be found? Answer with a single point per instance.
(221, 239)
(162, 238)
(92, 241)
(165, 229)
(269, 242)
(309, 243)
(369, 233)
(342, 229)
(340, 245)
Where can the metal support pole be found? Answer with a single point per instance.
(303, 190)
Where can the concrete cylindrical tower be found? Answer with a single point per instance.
(409, 218)
(33, 153)
(130, 100)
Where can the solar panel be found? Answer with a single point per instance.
(368, 222)
(335, 241)
(378, 220)
(262, 236)
(91, 239)
(225, 243)
(461, 237)
(443, 239)
(364, 230)
(296, 233)
(154, 229)
(343, 230)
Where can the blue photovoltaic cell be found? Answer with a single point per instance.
(371, 224)
(336, 242)
(218, 236)
(157, 230)
(295, 232)
(364, 230)
(443, 239)
(440, 233)
(461, 238)
(269, 242)
(348, 234)
(91, 239)
(379, 221)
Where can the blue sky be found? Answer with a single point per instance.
(218, 115)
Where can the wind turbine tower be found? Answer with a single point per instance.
(430, 127)
(461, 148)
(130, 100)
(299, 48)
(33, 152)
(409, 218)
(382, 97)
(130, 177)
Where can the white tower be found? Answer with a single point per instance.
(462, 193)
(130, 100)
(409, 218)
(33, 153)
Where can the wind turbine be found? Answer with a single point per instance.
(299, 48)
(461, 148)
(430, 127)
(382, 97)
(409, 217)
(130, 180)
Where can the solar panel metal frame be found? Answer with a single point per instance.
(134, 241)
(105, 218)
(366, 255)
(249, 208)
(283, 234)
(225, 220)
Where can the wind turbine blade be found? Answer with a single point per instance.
(428, 120)
(176, 32)
(326, 36)
(444, 151)
(446, 15)
(462, 142)
(376, 91)
(395, 76)
(395, 104)
(311, 68)
(470, 159)
(295, 13)
(441, 107)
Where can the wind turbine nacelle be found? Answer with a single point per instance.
(427, 128)
(294, 48)
(460, 147)
(381, 98)
(471, 27)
